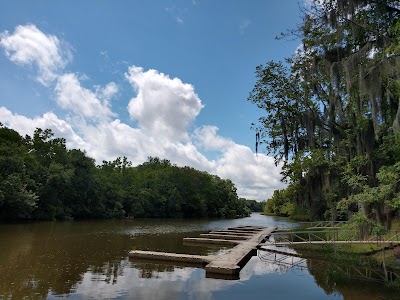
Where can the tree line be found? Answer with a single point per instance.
(332, 113)
(40, 179)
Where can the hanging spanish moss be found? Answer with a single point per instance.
(257, 141)
(331, 112)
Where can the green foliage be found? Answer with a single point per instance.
(332, 113)
(253, 205)
(383, 199)
(41, 179)
(395, 284)
(281, 203)
(18, 197)
(364, 227)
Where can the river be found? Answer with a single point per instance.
(89, 260)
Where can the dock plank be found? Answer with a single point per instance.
(224, 236)
(232, 232)
(237, 257)
(229, 263)
(173, 257)
(205, 241)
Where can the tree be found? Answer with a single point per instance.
(41, 179)
(333, 107)
(17, 189)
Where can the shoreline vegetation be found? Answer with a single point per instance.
(40, 179)
(331, 118)
(331, 114)
(375, 255)
(357, 256)
(367, 256)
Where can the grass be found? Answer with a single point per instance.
(343, 254)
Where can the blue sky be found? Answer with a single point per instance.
(141, 78)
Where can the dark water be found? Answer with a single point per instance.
(88, 260)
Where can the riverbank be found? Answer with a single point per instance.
(294, 218)
(374, 256)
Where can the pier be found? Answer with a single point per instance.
(320, 237)
(244, 240)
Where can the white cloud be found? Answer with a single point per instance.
(207, 138)
(109, 140)
(107, 92)
(30, 46)
(255, 176)
(164, 107)
(49, 120)
(72, 96)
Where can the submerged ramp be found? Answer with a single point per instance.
(227, 264)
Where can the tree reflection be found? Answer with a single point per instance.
(43, 258)
(345, 279)
(53, 257)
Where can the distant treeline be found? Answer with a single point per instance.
(41, 179)
(255, 206)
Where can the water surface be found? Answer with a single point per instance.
(88, 260)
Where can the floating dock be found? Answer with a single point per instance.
(244, 240)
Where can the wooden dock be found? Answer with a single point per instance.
(244, 240)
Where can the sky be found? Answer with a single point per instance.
(165, 78)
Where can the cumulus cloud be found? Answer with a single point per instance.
(107, 92)
(30, 46)
(207, 137)
(163, 107)
(72, 96)
(256, 176)
(109, 140)
(49, 120)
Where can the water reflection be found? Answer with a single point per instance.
(335, 279)
(287, 258)
(82, 260)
